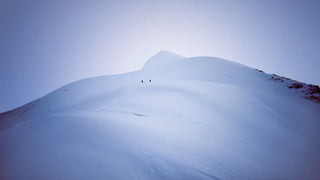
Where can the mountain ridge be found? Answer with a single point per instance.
(190, 118)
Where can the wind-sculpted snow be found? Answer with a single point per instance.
(199, 118)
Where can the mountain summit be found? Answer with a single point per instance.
(163, 57)
(177, 118)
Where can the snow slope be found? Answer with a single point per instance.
(199, 118)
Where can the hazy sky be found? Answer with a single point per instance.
(47, 44)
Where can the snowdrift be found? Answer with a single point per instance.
(198, 118)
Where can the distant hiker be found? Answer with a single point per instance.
(149, 80)
(141, 81)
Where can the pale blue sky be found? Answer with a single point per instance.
(47, 44)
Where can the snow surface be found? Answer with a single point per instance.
(199, 118)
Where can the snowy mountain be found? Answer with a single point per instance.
(198, 118)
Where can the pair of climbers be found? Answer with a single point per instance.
(142, 80)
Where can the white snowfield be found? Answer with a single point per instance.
(198, 118)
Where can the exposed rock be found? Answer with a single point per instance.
(295, 85)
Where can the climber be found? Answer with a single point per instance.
(149, 80)
(141, 81)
